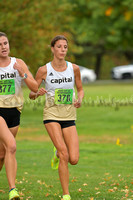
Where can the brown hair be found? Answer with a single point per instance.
(3, 34)
(58, 37)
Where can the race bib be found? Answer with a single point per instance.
(63, 96)
(7, 87)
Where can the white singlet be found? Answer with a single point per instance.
(60, 94)
(11, 94)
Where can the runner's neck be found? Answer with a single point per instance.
(4, 62)
(59, 66)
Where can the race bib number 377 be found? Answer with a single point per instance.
(63, 96)
(7, 87)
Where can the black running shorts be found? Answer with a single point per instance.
(63, 124)
(11, 116)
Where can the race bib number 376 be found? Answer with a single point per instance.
(63, 96)
(7, 87)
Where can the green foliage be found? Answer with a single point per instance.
(103, 22)
(102, 27)
(93, 28)
(30, 26)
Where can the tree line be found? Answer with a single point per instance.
(93, 28)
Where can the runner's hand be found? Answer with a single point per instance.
(77, 103)
(19, 68)
(41, 92)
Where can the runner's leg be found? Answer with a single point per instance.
(2, 149)
(55, 133)
(71, 140)
(9, 143)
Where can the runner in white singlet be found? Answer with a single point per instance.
(60, 108)
(12, 72)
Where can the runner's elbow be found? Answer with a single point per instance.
(35, 89)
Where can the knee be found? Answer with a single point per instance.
(74, 160)
(11, 148)
(63, 155)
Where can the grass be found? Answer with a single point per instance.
(104, 171)
(105, 114)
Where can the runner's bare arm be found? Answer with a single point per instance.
(22, 69)
(79, 87)
(40, 76)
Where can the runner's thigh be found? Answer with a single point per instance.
(6, 136)
(55, 133)
(71, 140)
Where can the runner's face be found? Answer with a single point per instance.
(4, 47)
(60, 49)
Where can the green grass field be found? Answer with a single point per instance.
(105, 128)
